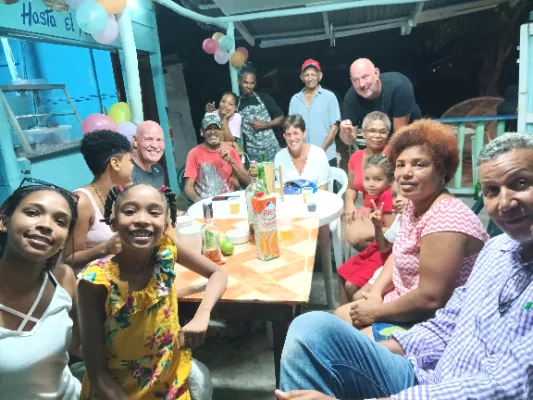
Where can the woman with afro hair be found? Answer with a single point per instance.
(108, 156)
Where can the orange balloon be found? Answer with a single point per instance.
(113, 6)
(238, 59)
(217, 35)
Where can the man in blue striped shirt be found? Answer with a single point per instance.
(480, 346)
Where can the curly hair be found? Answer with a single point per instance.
(12, 202)
(117, 193)
(99, 147)
(380, 161)
(436, 138)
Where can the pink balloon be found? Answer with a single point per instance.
(244, 51)
(210, 46)
(74, 3)
(110, 33)
(127, 129)
(221, 57)
(96, 122)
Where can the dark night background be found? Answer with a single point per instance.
(439, 78)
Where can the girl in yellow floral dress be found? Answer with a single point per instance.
(133, 345)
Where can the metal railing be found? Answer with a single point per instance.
(476, 128)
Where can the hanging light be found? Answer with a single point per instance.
(8, 2)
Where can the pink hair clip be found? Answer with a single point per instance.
(163, 188)
(120, 189)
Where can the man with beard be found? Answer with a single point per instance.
(148, 148)
(213, 168)
(319, 108)
(391, 93)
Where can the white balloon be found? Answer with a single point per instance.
(221, 57)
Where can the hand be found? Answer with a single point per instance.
(210, 107)
(258, 125)
(302, 395)
(225, 154)
(350, 212)
(112, 245)
(364, 311)
(227, 116)
(348, 131)
(376, 216)
(193, 334)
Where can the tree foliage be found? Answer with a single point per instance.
(488, 36)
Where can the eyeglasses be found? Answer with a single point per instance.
(381, 132)
(32, 181)
(514, 287)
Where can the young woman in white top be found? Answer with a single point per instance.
(37, 295)
(301, 160)
(231, 119)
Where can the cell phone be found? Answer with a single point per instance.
(223, 197)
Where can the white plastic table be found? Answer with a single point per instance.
(329, 207)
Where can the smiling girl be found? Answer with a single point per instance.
(37, 295)
(136, 348)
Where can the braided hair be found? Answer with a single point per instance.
(12, 202)
(117, 193)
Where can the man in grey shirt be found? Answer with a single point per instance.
(148, 148)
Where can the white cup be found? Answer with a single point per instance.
(183, 221)
(191, 237)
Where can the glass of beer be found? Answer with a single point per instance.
(234, 205)
(285, 226)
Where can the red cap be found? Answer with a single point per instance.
(311, 63)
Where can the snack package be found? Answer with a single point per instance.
(265, 226)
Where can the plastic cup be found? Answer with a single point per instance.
(191, 237)
(285, 226)
(307, 194)
(234, 205)
(183, 221)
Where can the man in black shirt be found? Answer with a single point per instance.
(390, 92)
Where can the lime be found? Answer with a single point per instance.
(226, 246)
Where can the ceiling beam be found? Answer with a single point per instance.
(208, 7)
(246, 35)
(325, 18)
(413, 20)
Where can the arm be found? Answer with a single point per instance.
(228, 136)
(275, 112)
(383, 283)
(275, 122)
(65, 277)
(190, 192)
(334, 118)
(403, 103)
(350, 197)
(399, 123)
(349, 114)
(383, 245)
(507, 375)
(437, 278)
(91, 305)
(330, 138)
(240, 172)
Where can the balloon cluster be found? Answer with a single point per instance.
(97, 18)
(117, 120)
(220, 45)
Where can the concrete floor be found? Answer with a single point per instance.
(242, 365)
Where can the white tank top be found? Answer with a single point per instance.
(33, 364)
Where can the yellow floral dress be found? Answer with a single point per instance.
(141, 330)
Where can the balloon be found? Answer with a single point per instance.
(120, 112)
(74, 3)
(113, 6)
(244, 51)
(95, 122)
(217, 35)
(221, 57)
(210, 46)
(110, 33)
(225, 43)
(127, 129)
(237, 59)
(91, 17)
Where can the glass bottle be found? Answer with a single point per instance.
(477, 190)
(262, 177)
(210, 235)
(254, 187)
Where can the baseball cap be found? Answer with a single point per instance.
(211, 119)
(310, 63)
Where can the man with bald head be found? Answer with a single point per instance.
(148, 148)
(391, 93)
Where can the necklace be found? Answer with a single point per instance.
(98, 194)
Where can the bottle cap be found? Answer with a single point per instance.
(259, 194)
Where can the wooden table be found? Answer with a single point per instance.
(260, 290)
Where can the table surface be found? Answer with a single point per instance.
(329, 207)
(284, 280)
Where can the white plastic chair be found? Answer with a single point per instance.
(337, 175)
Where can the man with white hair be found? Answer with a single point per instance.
(148, 148)
(389, 92)
(479, 346)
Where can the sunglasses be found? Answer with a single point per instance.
(514, 287)
(32, 181)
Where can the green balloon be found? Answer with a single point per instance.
(120, 112)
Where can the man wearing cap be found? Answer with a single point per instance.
(213, 168)
(391, 93)
(319, 108)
